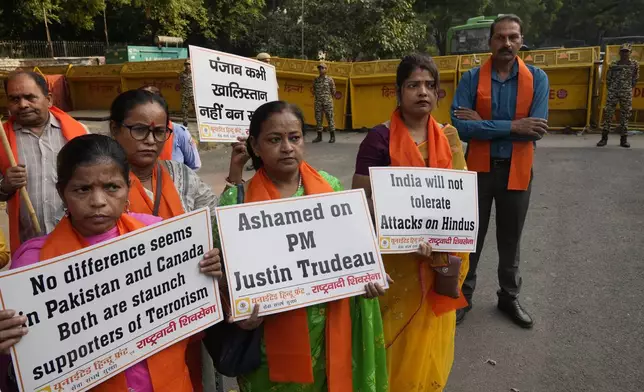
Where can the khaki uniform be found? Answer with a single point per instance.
(323, 92)
(187, 98)
(621, 79)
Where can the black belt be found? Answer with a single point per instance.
(500, 162)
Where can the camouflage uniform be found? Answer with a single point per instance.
(187, 100)
(621, 79)
(323, 92)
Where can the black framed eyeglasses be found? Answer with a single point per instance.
(141, 132)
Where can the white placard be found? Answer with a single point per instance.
(97, 311)
(227, 90)
(291, 253)
(414, 205)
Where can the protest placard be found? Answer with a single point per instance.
(97, 311)
(291, 253)
(227, 90)
(414, 205)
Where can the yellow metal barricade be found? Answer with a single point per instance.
(54, 69)
(3, 94)
(164, 74)
(637, 119)
(571, 75)
(94, 87)
(373, 90)
(295, 82)
(469, 61)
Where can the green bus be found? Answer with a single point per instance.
(472, 37)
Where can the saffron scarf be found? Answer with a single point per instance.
(170, 205)
(70, 128)
(286, 335)
(168, 370)
(166, 152)
(403, 151)
(478, 157)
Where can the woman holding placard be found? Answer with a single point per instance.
(163, 188)
(306, 349)
(419, 310)
(94, 183)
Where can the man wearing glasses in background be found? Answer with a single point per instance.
(36, 131)
(501, 109)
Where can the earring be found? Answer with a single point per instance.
(66, 211)
(127, 206)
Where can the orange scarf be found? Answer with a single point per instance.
(166, 153)
(168, 371)
(478, 157)
(170, 205)
(70, 128)
(403, 151)
(286, 335)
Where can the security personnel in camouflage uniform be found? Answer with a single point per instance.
(621, 79)
(187, 98)
(323, 92)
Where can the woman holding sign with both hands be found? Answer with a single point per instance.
(94, 183)
(337, 346)
(418, 312)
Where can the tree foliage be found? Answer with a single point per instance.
(343, 29)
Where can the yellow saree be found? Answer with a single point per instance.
(420, 344)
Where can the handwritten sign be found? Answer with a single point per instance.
(291, 253)
(227, 90)
(414, 205)
(95, 312)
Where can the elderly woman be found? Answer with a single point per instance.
(419, 320)
(94, 183)
(318, 335)
(163, 188)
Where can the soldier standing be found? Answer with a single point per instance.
(621, 79)
(323, 92)
(187, 98)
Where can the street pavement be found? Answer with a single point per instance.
(581, 263)
(582, 267)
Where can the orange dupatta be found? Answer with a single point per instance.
(403, 151)
(70, 128)
(478, 157)
(170, 205)
(166, 372)
(166, 153)
(286, 335)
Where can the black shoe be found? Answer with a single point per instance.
(512, 308)
(318, 139)
(332, 139)
(460, 315)
(603, 141)
(623, 142)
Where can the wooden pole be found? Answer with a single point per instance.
(23, 190)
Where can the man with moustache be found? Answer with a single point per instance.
(36, 131)
(501, 109)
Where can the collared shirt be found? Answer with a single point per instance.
(504, 101)
(39, 155)
(185, 149)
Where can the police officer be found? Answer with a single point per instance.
(187, 99)
(621, 78)
(323, 92)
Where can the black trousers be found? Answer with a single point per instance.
(511, 209)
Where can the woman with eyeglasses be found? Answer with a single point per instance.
(164, 188)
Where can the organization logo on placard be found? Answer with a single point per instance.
(385, 243)
(242, 305)
(45, 389)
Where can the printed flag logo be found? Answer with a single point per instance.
(385, 243)
(242, 305)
